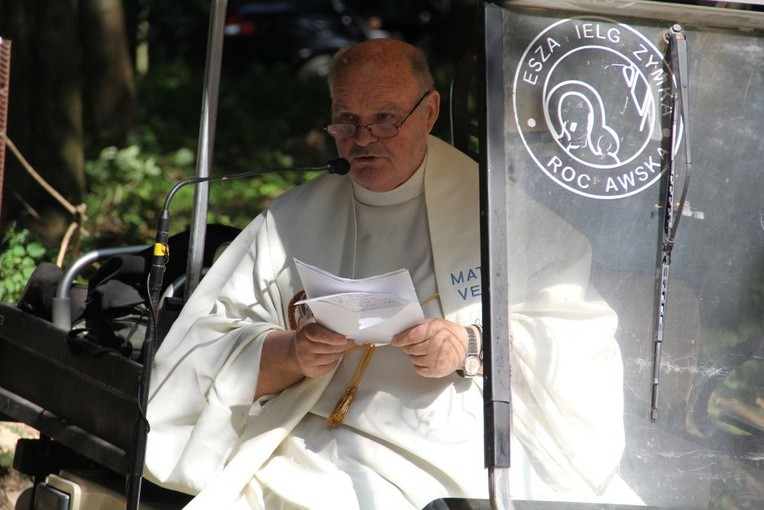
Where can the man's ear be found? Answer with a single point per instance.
(432, 109)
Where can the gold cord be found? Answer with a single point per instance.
(343, 405)
(426, 301)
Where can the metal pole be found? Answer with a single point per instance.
(497, 401)
(206, 146)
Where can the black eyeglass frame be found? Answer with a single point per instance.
(371, 126)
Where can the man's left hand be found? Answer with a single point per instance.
(436, 347)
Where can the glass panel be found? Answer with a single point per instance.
(579, 133)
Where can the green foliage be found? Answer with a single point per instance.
(123, 186)
(128, 188)
(19, 255)
(261, 123)
(260, 113)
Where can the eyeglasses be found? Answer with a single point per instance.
(378, 130)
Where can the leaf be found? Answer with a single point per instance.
(36, 250)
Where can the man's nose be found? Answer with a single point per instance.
(363, 136)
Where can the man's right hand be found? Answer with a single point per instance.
(317, 350)
(289, 356)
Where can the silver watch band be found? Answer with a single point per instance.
(472, 344)
(473, 359)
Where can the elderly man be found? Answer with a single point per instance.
(243, 407)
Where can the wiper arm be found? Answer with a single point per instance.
(677, 49)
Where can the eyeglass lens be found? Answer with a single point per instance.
(378, 130)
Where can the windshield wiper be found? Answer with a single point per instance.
(672, 212)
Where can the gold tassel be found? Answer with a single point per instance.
(341, 409)
(343, 405)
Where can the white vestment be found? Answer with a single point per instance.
(409, 439)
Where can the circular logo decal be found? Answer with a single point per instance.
(591, 97)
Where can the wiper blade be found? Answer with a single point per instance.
(677, 50)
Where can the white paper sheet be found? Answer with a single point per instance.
(368, 310)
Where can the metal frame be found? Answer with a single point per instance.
(494, 265)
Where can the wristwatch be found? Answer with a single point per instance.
(472, 361)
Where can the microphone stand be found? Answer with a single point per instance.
(154, 284)
(141, 430)
(209, 111)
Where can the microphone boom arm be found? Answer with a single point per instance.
(339, 166)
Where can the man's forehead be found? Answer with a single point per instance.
(377, 53)
(373, 66)
(369, 102)
(374, 95)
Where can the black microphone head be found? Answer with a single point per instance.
(339, 166)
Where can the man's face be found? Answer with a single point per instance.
(367, 95)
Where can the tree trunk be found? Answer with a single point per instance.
(58, 48)
(45, 113)
(108, 70)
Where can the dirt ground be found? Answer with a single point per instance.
(12, 483)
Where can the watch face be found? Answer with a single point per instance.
(471, 365)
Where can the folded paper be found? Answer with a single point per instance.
(367, 310)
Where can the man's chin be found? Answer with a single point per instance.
(368, 166)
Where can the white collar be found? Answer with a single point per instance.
(411, 188)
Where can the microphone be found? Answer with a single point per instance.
(339, 166)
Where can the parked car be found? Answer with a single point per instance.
(303, 34)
